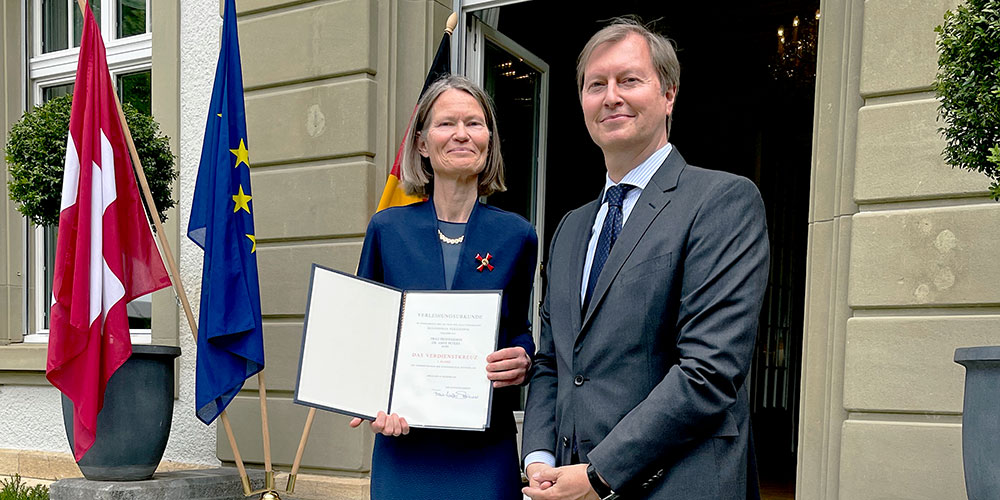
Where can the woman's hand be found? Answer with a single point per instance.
(388, 425)
(507, 366)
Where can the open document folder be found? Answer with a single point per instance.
(367, 347)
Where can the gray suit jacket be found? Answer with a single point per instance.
(650, 380)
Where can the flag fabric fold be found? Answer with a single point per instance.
(230, 336)
(393, 194)
(105, 253)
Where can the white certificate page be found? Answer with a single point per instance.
(444, 339)
(348, 342)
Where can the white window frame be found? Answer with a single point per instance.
(107, 22)
(125, 55)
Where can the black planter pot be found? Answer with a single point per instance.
(981, 421)
(133, 426)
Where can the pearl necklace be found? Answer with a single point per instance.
(450, 241)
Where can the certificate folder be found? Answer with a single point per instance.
(368, 347)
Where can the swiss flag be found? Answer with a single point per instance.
(105, 254)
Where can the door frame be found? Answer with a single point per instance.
(471, 36)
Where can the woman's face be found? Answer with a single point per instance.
(455, 138)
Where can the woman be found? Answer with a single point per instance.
(452, 156)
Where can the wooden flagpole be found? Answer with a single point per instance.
(168, 255)
(265, 433)
(290, 487)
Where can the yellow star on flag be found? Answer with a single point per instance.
(242, 201)
(254, 240)
(242, 155)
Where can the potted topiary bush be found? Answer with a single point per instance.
(36, 153)
(138, 407)
(968, 86)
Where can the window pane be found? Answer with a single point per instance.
(140, 310)
(50, 266)
(131, 17)
(95, 6)
(56, 91)
(134, 88)
(49, 239)
(54, 32)
(516, 91)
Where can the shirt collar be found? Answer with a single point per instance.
(640, 175)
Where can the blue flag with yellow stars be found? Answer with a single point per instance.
(230, 337)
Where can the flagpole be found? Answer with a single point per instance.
(290, 487)
(244, 479)
(266, 434)
(177, 282)
(168, 254)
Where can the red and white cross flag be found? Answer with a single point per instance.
(105, 254)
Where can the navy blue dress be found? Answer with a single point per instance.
(402, 250)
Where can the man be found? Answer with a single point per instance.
(650, 317)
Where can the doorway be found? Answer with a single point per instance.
(745, 106)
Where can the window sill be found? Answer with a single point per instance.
(24, 363)
(139, 337)
(23, 357)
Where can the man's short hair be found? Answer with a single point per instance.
(418, 176)
(661, 52)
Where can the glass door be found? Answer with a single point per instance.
(518, 82)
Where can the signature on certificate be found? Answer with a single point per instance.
(455, 395)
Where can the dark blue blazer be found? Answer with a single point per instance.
(402, 250)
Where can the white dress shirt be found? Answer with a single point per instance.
(637, 177)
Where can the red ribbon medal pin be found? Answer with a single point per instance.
(484, 262)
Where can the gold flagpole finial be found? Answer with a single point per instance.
(452, 22)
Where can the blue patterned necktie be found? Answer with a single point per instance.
(609, 234)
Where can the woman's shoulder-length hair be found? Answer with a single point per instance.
(416, 170)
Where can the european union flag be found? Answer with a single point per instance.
(230, 340)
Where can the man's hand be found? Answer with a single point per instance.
(507, 366)
(568, 483)
(532, 470)
(388, 425)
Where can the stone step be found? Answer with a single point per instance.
(203, 484)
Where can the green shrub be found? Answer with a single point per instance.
(968, 85)
(36, 153)
(14, 489)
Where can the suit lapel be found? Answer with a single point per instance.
(581, 239)
(651, 202)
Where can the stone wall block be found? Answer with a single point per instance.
(332, 444)
(285, 271)
(307, 42)
(925, 257)
(905, 364)
(307, 123)
(283, 342)
(899, 52)
(899, 156)
(315, 201)
(915, 461)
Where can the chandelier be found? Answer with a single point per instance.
(794, 60)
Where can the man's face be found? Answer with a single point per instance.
(623, 105)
